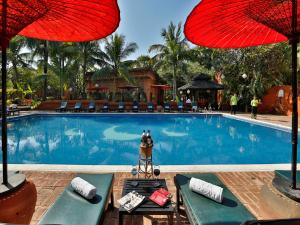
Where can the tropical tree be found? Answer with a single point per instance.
(18, 58)
(114, 58)
(173, 53)
(64, 63)
(146, 61)
(40, 50)
(89, 56)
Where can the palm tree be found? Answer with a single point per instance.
(173, 52)
(113, 58)
(89, 56)
(40, 49)
(64, 62)
(145, 61)
(17, 57)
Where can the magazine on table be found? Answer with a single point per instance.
(161, 196)
(131, 201)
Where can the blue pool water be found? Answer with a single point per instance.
(115, 139)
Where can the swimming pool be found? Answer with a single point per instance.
(113, 139)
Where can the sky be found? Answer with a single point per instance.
(143, 20)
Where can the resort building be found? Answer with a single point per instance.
(142, 84)
(203, 90)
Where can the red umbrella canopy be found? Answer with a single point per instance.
(19, 15)
(240, 23)
(61, 20)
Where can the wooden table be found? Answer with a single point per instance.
(148, 207)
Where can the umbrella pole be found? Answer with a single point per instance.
(4, 122)
(294, 43)
(4, 70)
(295, 113)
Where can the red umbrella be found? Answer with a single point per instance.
(244, 23)
(75, 20)
(55, 20)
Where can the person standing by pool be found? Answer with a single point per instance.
(254, 103)
(233, 103)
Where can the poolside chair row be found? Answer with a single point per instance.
(11, 111)
(184, 107)
(105, 107)
(70, 208)
(135, 107)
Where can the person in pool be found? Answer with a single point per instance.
(233, 103)
(254, 103)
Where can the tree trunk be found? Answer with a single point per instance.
(17, 75)
(60, 77)
(174, 83)
(84, 69)
(45, 69)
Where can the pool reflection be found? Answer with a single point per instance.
(115, 139)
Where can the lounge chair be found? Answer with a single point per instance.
(105, 107)
(204, 211)
(135, 106)
(11, 111)
(71, 208)
(274, 222)
(121, 107)
(77, 107)
(63, 106)
(180, 107)
(91, 106)
(167, 107)
(194, 107)
(150, 107)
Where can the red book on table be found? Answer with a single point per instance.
(160, 197)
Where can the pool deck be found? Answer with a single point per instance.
(245, 183)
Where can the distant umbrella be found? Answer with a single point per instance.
(244, 23)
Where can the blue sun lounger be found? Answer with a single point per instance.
(105, 107)
(92, 106)
(180, 107)
(167, 107)
(135, 106)
(150, 107)
(77, 107)
(203, 211)
(121, 107)
(63, 106)
(70, 208)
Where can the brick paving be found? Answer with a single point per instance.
(245, 185)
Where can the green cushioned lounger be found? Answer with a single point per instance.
(274, 222)
(203, 211)
(72, 209)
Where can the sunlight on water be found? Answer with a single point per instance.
(112, 134)
(173, 133)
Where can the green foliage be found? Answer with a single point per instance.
(113, 58)
(171, 56)
(174, 60)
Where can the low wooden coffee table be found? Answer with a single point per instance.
(148, 207)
